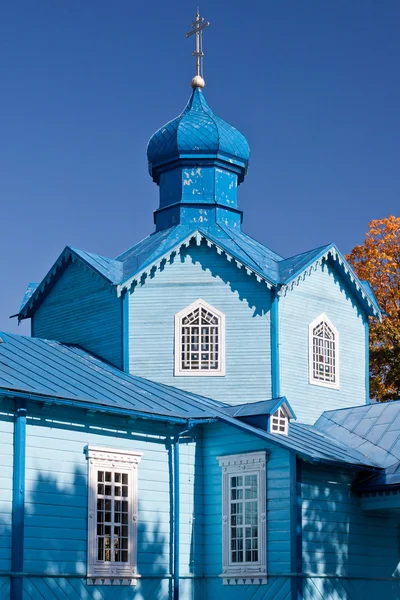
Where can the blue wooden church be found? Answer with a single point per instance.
(191, 420)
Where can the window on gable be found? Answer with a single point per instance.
(324, 353)
(244, 518)
(199, 340)
(112, 515)
(279, 422)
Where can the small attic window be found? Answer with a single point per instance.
(279, 422)
(324, 353)
(199, 340)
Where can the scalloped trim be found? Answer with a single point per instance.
(336, 256)
(198, 238)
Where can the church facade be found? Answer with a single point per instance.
(191, 420)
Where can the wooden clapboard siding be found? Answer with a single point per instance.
(340, 539)
(4, 587)
(331, 588)
(199, 272)
(277, 588)
(6, 485)
(82, 309)
(56, 499)
(219, 439)
(52, 588)
(322, 291)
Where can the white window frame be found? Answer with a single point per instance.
(313, 381)
(279, 422)
(124, 461)
(245, 573)
(179, 371)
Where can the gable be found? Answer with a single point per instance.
(299, 267)
(323, 291)
(81, 308)
(199, 272)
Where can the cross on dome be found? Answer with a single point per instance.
(197, 29)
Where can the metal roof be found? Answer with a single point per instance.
(373, 429)
(54, 370)
(254, 256)
(264, 407)
(50, 371)
(197, 132)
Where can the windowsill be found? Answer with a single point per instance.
(199, 373)
(112, 580)
(331, 386)
(244, 577)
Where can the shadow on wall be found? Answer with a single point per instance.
(246, 286)
(354, 553)
(55, 546)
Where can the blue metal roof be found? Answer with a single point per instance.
(265, 263)
(199, 133)
(30, 290)
(54, 370)
(373, 430)
(49, 371)
(264, 407)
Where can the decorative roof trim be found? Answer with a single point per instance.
(335, 255)
(66, 256)
(198, 237)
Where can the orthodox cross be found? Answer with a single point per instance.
(197, 29)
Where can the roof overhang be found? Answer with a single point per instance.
(197, 236)
(359, 290)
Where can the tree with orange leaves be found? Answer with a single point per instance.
(378, 261)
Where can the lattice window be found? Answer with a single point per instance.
(200, 340)
(244, 517)
(112, 514)
(279, 422)
(244, 541)
(324, 353)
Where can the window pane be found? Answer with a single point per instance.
(324, 353)
(112, 516)
(244, 501)
(199, 341)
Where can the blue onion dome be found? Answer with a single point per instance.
(198, 137)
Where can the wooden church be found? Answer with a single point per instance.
(191, 419)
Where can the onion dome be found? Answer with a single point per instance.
(196, 138)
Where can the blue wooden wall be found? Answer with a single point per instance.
(321, 291)
(359, 551)
(199, 272)
(6, 485)
(82, 309)
(221, 439)
(56, 506)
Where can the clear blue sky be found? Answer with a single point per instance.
(314, 85)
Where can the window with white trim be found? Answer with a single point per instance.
(112, 516)
(244, 527)
(324, 352)
(279, 422)
(199, 340)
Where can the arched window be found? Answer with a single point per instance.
(199, 340)
(324, 352)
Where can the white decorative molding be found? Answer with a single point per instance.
(322, 318)
(334, 254)
(240, 580)
(124, 462)
(179, 370)
(236, 465)
(112, 581)
(198, 237)
(112, 455)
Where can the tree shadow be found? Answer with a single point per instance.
(349, 555)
